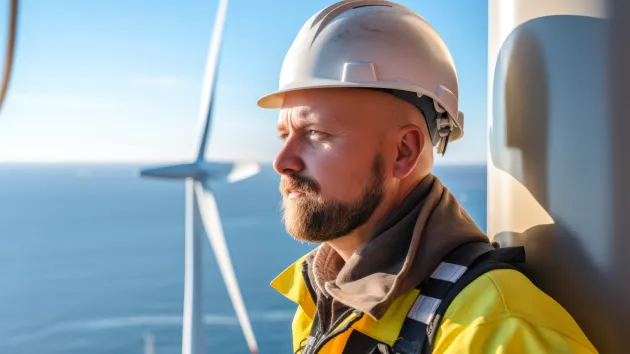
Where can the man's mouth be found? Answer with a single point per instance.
(294, 194)
(297, 187)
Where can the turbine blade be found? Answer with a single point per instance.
(210, 79)
(243, 170)
(173, 172)
(214, 230)
(10, 50)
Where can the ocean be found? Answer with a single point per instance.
(92, 259)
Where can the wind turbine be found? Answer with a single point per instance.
(9, 53)
(202, 213)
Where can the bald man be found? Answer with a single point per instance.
(356, 179)
(367, 90)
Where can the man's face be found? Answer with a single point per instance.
(332, 164)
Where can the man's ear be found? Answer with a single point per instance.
(410, 144)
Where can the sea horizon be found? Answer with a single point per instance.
(93, 258)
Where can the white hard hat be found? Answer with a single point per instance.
(376, 44)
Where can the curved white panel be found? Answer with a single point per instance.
(554, 172)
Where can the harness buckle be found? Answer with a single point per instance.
(403, 346)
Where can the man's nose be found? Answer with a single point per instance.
(288, 160)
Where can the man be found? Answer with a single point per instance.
(367, 90)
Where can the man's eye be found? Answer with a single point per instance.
(317, 135)
(283, 136)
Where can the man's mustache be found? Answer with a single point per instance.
(298, 183)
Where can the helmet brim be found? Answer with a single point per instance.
(275, 99)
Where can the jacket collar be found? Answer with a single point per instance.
(292, 285)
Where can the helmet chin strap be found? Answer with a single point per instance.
(441, 127)
(445, 134)
(444, 128)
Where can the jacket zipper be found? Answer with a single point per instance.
(318, 345)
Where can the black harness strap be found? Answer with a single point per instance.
(455, 272)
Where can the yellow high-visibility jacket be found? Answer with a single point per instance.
(501, 311)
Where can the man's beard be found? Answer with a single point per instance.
(313, 219)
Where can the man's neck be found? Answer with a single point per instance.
(347, 245)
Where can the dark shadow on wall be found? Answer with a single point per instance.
(546, 98)
(619, 76)
(521, 110)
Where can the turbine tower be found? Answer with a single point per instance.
(202, 213)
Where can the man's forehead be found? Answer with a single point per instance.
(347, 107)
(298, 115)
(319, 103)
(309, 112)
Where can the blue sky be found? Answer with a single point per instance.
(120, 81)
